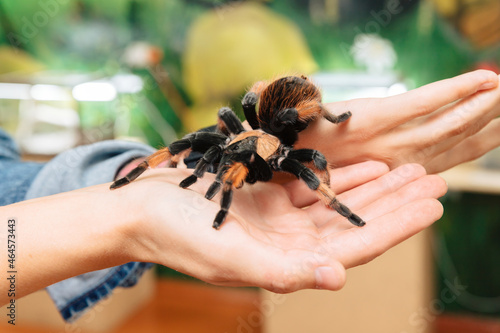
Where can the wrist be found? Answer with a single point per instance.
(124, 215)
(68, 234)
(102, 225)
(135, 228)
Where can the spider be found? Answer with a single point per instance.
(285, 107)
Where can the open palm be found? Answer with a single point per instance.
(280, 237)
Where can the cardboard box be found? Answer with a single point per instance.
(392, 294)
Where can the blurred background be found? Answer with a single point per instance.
(77, 72)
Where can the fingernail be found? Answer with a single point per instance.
(488, 85)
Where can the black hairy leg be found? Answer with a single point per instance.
(229, 122)
(211, 156)
(225, 203)
(258, 170)
(325, 193)
(233, 175)
(290, 165)
(318, 160)
(309, 155)
(151, 161)
(249, 103)
(198, 141)
(136, 172)
(216, 185)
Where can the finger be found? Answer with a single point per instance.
(458, 122)
(467, 150)
(282, 271)
(342, 179)
(299, 270)
(433, 96)
(357, 246)
(363, 195)
(402, 108)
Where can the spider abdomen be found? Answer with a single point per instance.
(286, 93)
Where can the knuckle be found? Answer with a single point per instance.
(283, 282)
(421, 106)
(458, 129)
(462, 91)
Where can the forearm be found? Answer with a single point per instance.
(64, 235)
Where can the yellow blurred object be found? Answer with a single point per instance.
(446, 8)
(477, 21)
(202, 115)
(228, 49)
(15, 60)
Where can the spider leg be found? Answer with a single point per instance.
(209, 158)
(229, 122)
(198, 141)
(282, 125)
(234, 175)
(249, 103)
(258, 170)
(151, 161)
(216, 185)
(325, 193)
(311, 109)
(318, 159)
(225, 203)
(333, 118)
(309, 155)
(287, 116)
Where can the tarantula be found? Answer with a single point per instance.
(285, 107)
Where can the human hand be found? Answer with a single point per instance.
(279, 237)
(439, 125)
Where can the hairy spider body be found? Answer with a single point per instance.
(285, 107)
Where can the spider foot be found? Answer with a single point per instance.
(288, 116)
(119, 183)
(136, 172)
(356, 220)
(250, 99)
(221, 216)
(344, 116)
(213, 190)
(188, 181)
(346, 212)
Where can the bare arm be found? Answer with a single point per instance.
(294, 241)
(64, 235)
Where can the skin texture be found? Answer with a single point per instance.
(439, 125)
(153, 220)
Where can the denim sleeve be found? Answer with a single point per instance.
(16, 176)
(76, 168)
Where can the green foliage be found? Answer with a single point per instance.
(468, 248)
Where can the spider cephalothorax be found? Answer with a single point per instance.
(285, 107)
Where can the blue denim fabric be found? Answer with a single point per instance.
(80, 167)
(15, 176)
